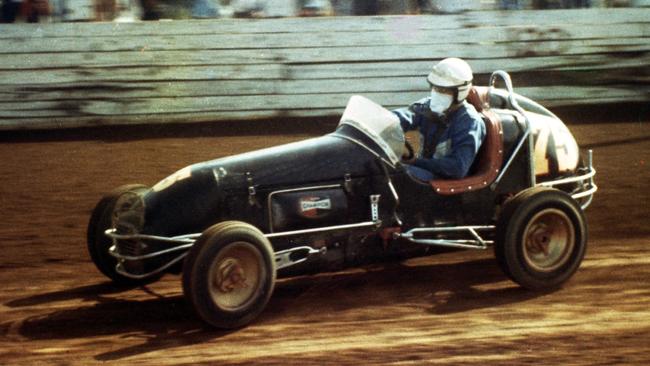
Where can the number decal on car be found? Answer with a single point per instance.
(556, 150)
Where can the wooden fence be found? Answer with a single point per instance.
(84, 74)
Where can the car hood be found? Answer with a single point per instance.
(194, 197)
(325, 158)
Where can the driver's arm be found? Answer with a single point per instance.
(411, 117)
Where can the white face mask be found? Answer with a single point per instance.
(440, 102)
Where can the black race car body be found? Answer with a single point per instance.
(345, 199)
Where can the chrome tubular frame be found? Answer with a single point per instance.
(283, 258)
(527, 136)
(120, 268)
(476, 243)
(322, 229)
(587, 177)
(181, 239)
(184, 242)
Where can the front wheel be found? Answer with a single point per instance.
(229, 274)
(99, 244)
(541, 238)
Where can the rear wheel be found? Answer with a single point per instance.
(229, 274)
(97, 241)
(541, 238)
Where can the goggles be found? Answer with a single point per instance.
(442, 89)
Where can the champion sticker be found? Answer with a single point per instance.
(318, 204)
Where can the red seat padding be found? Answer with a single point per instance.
(478, 98)
(489, 159)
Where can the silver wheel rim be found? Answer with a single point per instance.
(235, 276)
(548, 240)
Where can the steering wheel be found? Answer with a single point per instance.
(409, 154)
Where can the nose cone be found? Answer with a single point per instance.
(128, 214)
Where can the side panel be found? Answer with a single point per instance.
(307, 208)
(237, 187)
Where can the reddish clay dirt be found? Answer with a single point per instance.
(456, 308)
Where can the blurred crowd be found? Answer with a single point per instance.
(134, 10)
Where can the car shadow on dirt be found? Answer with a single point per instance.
(89, 292)
(165, 322)
(157, 323)
(439, 289)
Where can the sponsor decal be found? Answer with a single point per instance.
(309, 206)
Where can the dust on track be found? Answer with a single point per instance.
(455, 308)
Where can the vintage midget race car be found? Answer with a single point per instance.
(234, 225)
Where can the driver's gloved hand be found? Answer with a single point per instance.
(408, 158)
(423, 110)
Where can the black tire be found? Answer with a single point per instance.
(229, 274)
(541, 238)
(99, 243)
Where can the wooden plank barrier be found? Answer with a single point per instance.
(84, 74)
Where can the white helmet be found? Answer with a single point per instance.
(452, 73)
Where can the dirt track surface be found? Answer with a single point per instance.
(456, 308)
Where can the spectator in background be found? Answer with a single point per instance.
(150, 10)
(34, 10)
(510, 5)
(316, 8)
(282, 8)
(58, 9)
(366, 7)
(128, 11)
(10, 10)
(423, 6)
(617, 3)
(105, 10)
(411, 7)
(568, 4)
(248, 8)
(203, 9)
(546, 4)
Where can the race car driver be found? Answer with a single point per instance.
(451, 130)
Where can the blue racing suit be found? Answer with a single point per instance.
(452, 155)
